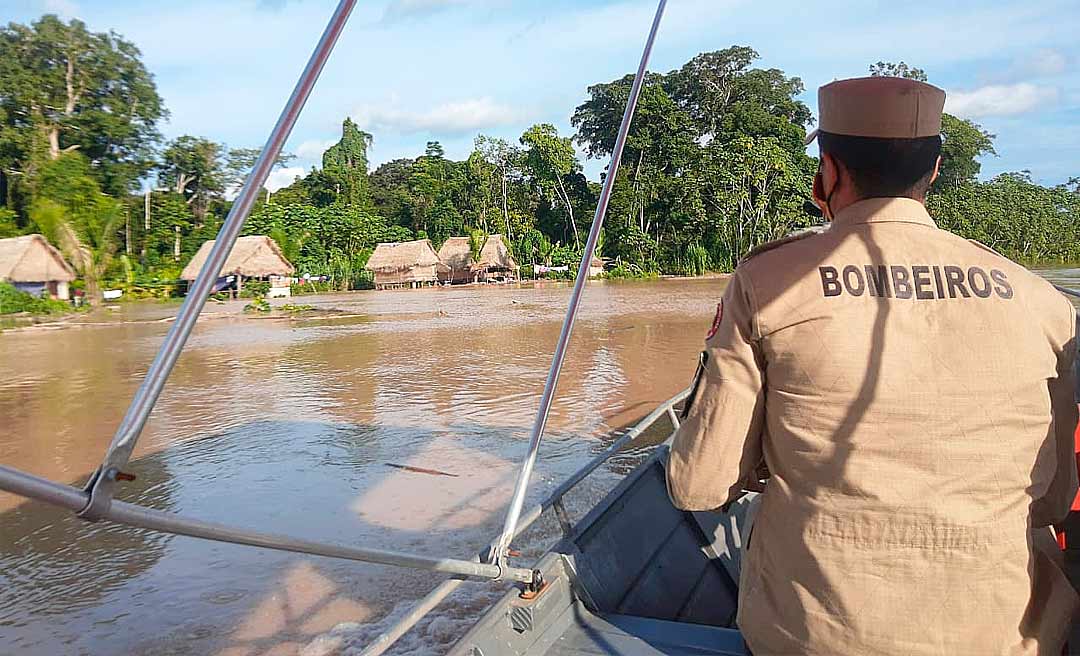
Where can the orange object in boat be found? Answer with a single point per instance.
(1076, 501)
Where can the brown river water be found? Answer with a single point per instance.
(289, 426)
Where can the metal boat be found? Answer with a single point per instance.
(635, 576)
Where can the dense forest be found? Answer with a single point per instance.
(714, 165)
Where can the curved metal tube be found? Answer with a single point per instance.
(102, 484)
(518, 499)
(73, 499)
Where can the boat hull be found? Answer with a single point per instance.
(634, 576)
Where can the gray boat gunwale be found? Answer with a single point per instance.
(572, 622)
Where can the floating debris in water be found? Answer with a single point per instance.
(421, 470)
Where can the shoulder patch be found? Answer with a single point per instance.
(716, 321)
(798, 235)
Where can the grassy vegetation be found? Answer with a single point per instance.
(13, 301)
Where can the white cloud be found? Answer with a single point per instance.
(278, 179)
(62, 8)
(313, 149)
(452, 118)
(1000, 100)
(1047, 62)
(399, 10)
(1035, 65)
(283, 177)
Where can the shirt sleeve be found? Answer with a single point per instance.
(1064, 396)
(717, 449)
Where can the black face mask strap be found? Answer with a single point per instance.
(828, 197)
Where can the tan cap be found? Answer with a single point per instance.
(883, 107)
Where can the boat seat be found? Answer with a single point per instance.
(639, 636)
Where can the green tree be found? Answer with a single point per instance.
(64, 88)
(661, 145)
(9, 226)
(334, 240)
(477, 239)
(726, 98)
(964, 143)
(1015, 216)
(756, 191)
(436, 187)
(193, 167)
(345, 165)
(505, 160)
(390, 192)
(481, 192)
(891, 69)
(240, 161)
(72, 212)
(168, 212)
(549, 160)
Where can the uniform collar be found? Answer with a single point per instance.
(883, 210)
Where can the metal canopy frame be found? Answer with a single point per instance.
(95, 502)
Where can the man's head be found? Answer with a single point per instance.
(879, 137)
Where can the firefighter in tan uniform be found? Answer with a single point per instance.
(910, 394)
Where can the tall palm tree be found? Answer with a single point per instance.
(88, 241)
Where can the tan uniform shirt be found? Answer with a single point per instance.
(911, 394)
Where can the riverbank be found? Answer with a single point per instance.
(335, 305)
(115, 315)
(305, 307)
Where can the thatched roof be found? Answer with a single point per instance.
(256, 256)
(456, 253)
(32, 258)
(495, 255)
(402, 256)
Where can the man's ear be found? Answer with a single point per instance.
(830, 173)
(937, 170)
(825, 180)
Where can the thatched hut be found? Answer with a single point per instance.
(33, 265)
(596, 267)
(405, 264)
(456, 254)
(495, 261)
(253, 257)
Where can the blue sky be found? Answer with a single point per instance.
(414, 70)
